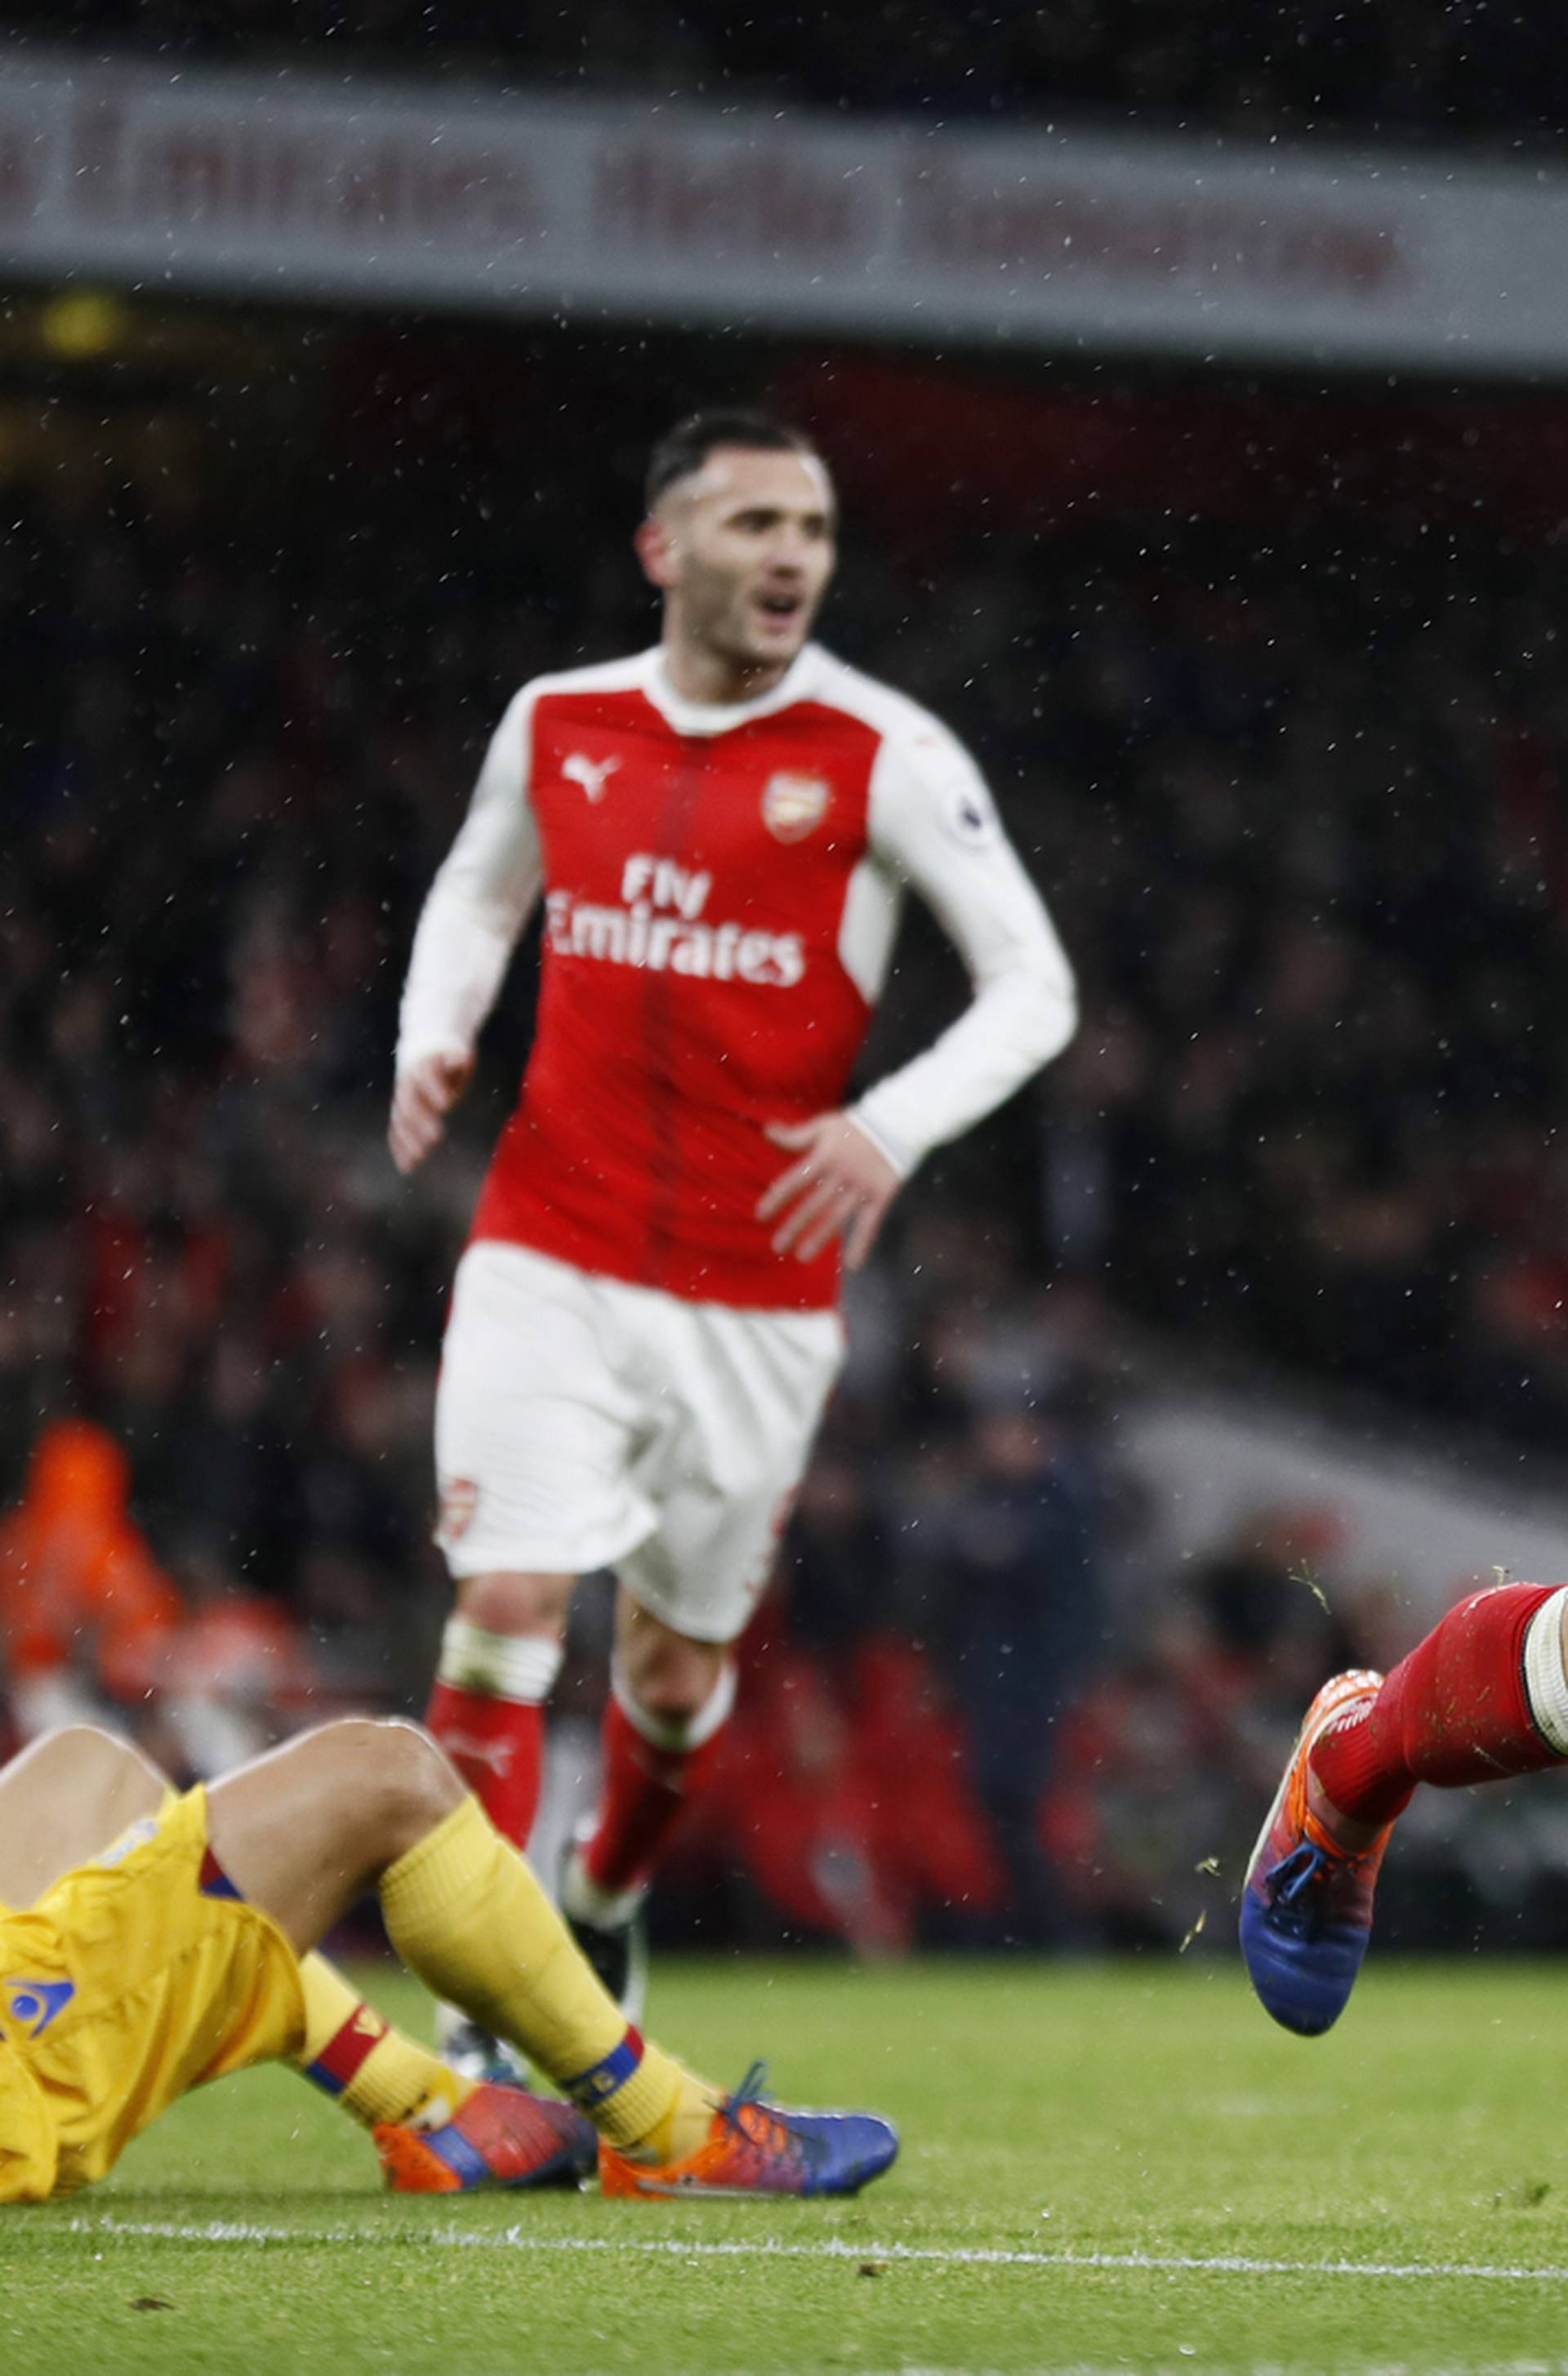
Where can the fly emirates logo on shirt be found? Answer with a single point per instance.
(661, 924)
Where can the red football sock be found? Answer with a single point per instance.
(645, 1793)
(1456, 1711)
(497, 1745)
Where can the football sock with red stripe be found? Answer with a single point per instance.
(465, 1912)
(365, 2064)
(487, 1711)
(653, 1773)
(1481, 1698)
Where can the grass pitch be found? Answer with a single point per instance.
(1111, 2167)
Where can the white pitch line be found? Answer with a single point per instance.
(822, 2248)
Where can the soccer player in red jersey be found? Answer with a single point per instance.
(1483, 1698)
(644, 1329)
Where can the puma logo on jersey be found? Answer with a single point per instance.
(592, 774)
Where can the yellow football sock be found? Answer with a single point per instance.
(365, 2064)
(465, 1913)
(683, 2128)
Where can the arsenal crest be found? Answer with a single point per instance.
(460, 1500)
(794, 805)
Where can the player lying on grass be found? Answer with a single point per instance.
(130, 1973)
(1483, 1698)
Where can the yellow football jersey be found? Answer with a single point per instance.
(27, 2134)
(134, 1979)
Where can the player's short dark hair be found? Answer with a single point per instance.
(687, 447)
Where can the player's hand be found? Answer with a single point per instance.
(421, 1099)
(839, 1186)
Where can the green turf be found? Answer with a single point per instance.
(1135, 2109)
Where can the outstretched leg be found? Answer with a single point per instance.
(1483, 1698)
(305, 1830)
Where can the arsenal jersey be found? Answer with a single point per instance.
(722, 889)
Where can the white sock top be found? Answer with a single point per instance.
(1545, 1682)
(506, 1665)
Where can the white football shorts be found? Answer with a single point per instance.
(581, 1423)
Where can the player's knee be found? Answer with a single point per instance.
(667, 1699)
(506, 1603)
(78, 1744)
(90, 1757)
(673, 1680)
(422, 1785)
(403, 1784)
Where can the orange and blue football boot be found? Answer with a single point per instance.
(757, 2148)
(501, 2136)
(1306, 1902)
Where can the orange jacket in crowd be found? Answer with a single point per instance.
(78, 1586)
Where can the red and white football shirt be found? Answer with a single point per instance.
(722, 890)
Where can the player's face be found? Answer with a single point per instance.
(744, 549)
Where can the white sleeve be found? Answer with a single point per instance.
(933, 825)
(477, 904)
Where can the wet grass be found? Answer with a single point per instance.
(1096, 2159)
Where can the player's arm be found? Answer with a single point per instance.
(475, 910)
(934, 826)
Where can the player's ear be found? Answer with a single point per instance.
(655, 548)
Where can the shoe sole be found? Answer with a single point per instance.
(707, 2193)
(679, 2193)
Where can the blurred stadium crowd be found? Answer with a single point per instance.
(1253, 67)
(1296, 805)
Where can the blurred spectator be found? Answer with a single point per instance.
(237, 1674)
(1009, 1569)
(92, 1627)
(836, 1555)
(86, 1614)
(846, 1803)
